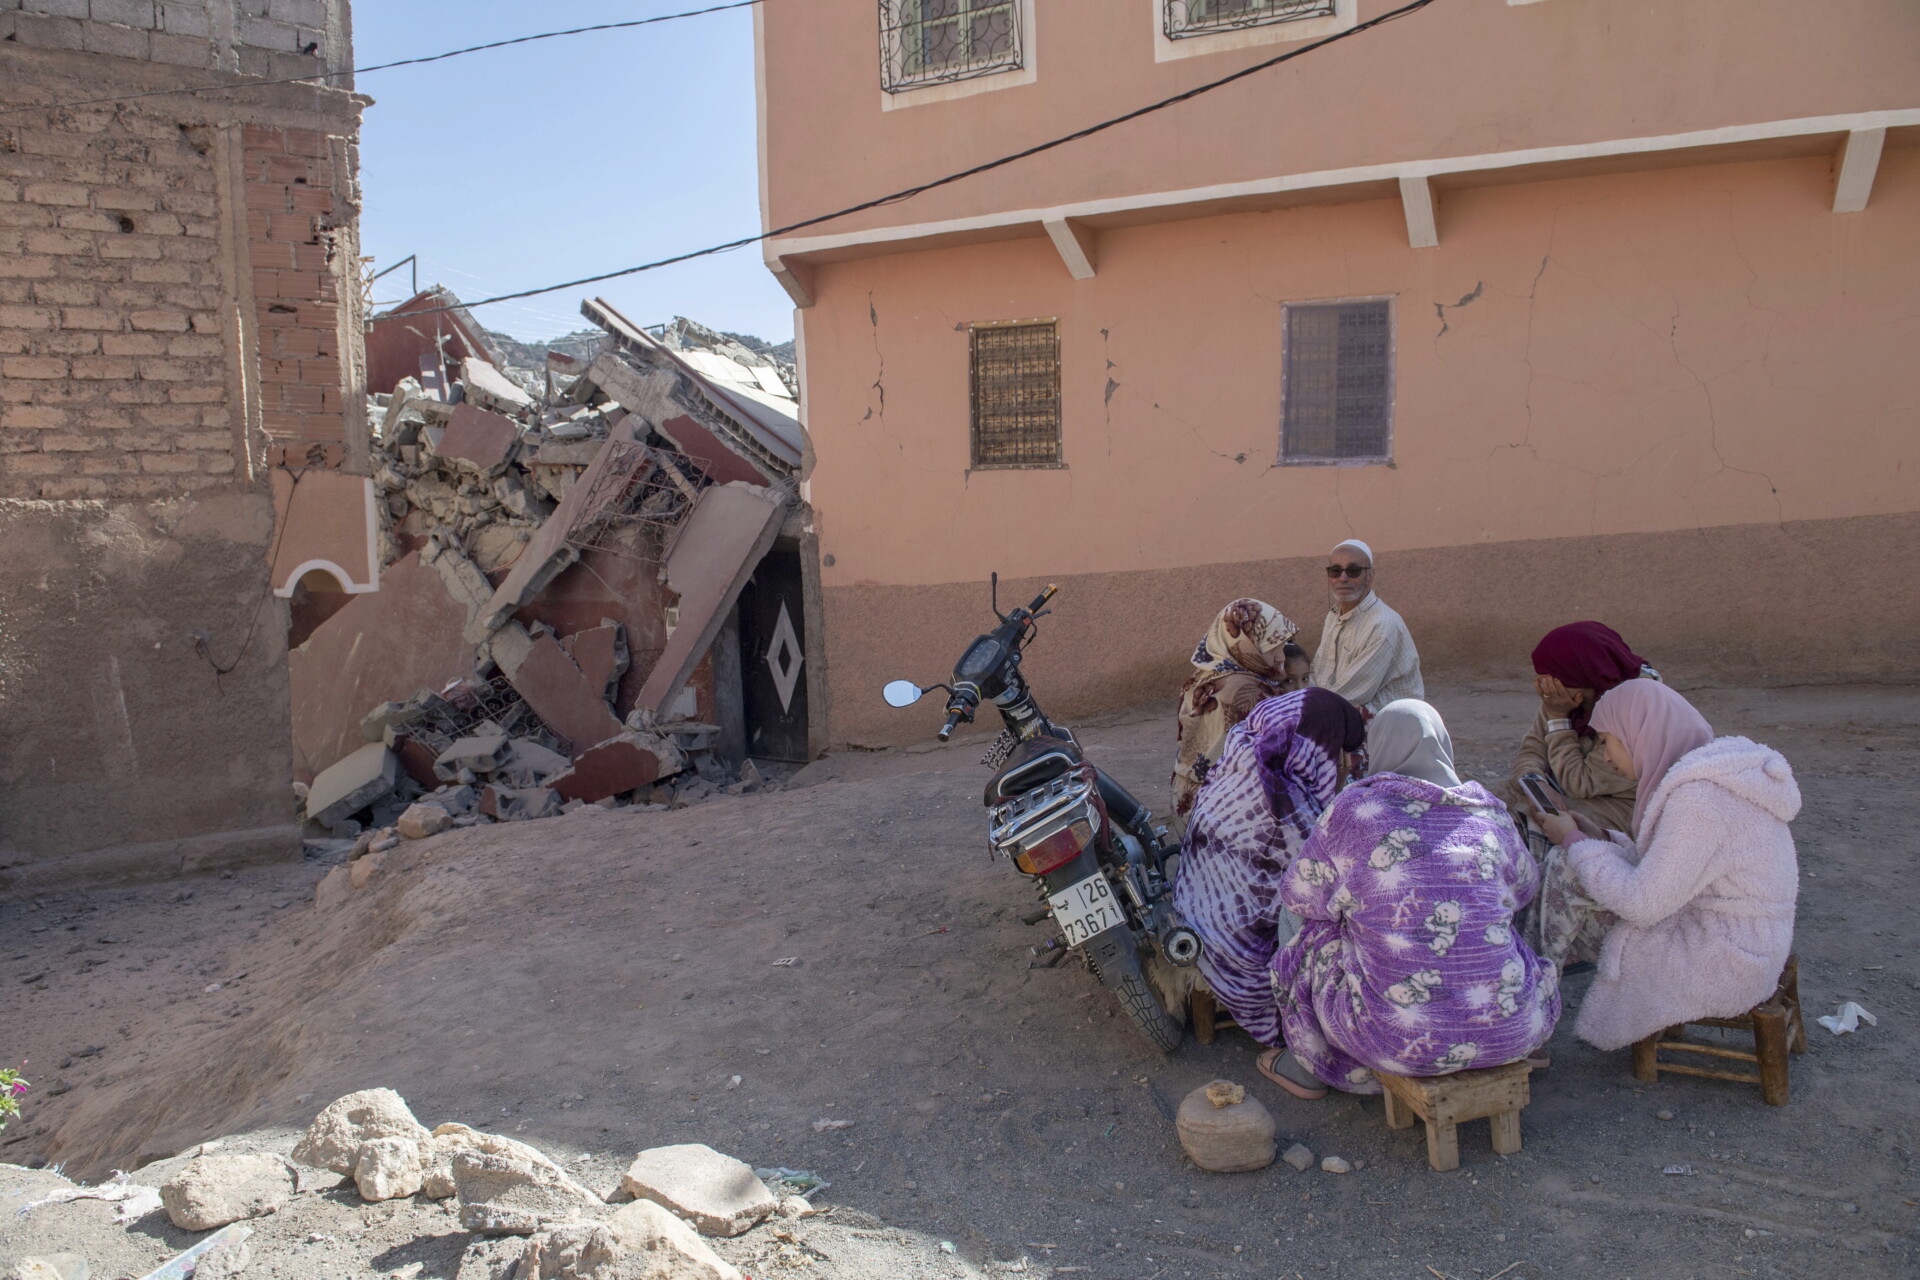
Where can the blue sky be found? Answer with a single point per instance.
(518, 167)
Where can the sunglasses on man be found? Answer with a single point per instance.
(1351, 570)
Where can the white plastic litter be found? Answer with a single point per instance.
(135, 1201)
(1847, 1019)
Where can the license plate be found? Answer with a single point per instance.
(1086, 908)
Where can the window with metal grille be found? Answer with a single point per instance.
(1336, 388)
(926, 42)
(1016, 394)
(1199, 17)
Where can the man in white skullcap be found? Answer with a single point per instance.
(1366, 654)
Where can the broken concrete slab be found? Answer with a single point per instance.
(713, 555)
(600, 653)
(216, 1190)
(613, 768)
(708, 452)
(491, 389)
(504, 1195)
(567, 701)
(482, 440)
(668, 1247)
(477, 753)
(421, 819)
(568, 453)
(716, 1193)
(465, 585)
(350, 785)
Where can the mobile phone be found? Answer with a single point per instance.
(1540, 791)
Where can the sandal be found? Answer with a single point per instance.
(1538, 1060)
(1264, 1065)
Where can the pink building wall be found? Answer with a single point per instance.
(1668, 389)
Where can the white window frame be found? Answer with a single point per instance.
(909, 95)
(1346, 13)
(1384, 458)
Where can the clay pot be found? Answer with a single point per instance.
(1236, 1138)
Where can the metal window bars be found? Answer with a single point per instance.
(640, 498)
(1203, 17)
(925, 42)
(1015, 385)
(1337, 382)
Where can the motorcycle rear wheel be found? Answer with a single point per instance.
(1143, 1008)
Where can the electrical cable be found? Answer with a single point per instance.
(908, 193)
(386, 66)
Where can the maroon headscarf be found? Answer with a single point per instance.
(1586, 655)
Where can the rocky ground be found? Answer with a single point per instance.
(593, 985)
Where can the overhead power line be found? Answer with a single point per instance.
(386, 66)
(908, 193)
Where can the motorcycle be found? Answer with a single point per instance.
(1090, 849)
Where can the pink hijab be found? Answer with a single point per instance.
(1657, 725)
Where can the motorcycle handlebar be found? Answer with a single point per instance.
(1039, 601)
(954, 717)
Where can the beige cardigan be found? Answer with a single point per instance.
(1577, 764)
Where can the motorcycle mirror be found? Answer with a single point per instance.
(902, 693)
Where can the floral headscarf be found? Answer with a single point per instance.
(1248, 636)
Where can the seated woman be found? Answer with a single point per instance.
(1573, 666)
(1407, 960)
(1245, 658)
(1279, 769)
(1704, 888)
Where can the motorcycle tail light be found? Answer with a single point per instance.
(1056, 850)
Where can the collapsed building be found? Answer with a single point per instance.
(593, 579)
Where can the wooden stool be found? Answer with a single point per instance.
(1777, 1029)
(1496, 1093)
(1207, 1014)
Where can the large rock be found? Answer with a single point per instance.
(502, 1195)
(390, 1168)
(422, 819)
(1233, 1138)
(573, 1251)
(334, 1138)
(451, 1139)
(717, 1193)
(217, 1189)
(659, 1246)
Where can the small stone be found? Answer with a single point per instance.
(51, 1266)
(224, 1261)
(1299, 1157)
(1334, 1164)
(717, 1193)
(422, 819)
(1663, 1115)
(1593, 1177)
(1231, 1139)
(1224, 1093)
(213, 1191)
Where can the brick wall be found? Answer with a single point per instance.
(113, 371)
(292, 246)
(278, 38)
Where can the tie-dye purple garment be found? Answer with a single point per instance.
(1252, 815)
(1407, 960)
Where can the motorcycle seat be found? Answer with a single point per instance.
(1033, 763)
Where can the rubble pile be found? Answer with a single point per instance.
(525, 1215)
(668, 459)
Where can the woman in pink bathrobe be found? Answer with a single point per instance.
(1705, 885)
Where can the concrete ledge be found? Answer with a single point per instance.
(159, 860)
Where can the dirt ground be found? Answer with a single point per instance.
(593, 983)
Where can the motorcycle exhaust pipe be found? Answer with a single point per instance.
(1180, 945)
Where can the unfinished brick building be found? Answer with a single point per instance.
(179, 339)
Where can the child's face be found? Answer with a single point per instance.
(1298, 669)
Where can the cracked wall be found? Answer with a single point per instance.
(1707, 358)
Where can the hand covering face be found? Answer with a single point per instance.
(1586, 655)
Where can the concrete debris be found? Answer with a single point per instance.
(718, 1194)
(216, 1190)
(350, 785)
(584, 522)
(52, 1266)
(506, 1195)
(666, 1247)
